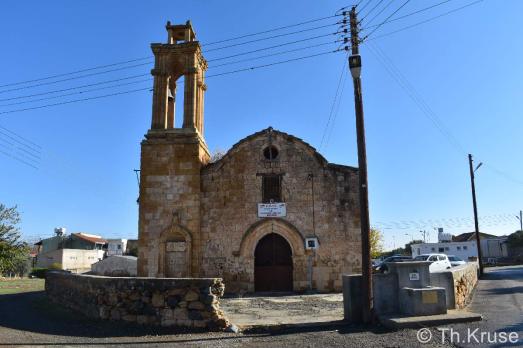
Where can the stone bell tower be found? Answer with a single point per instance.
(171, 159)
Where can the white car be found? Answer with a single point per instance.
(439, 262)
(455, 261)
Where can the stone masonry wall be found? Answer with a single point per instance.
(231, 188)
(459, 283)
(182, 302)
(465, 280)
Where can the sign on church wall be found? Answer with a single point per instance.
(272, 209)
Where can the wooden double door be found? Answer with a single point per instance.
(273, 264)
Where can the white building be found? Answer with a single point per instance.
(463, 250)
(116, 247)
(464, 246)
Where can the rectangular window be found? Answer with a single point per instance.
(465, 247)
(271, 188)
(459, 248)
(441, 250)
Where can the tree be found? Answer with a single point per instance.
(13, 252)
(515, 239)
(376, 243)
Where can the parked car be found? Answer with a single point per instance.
(440, 262)
(455, 261)
(382, 267)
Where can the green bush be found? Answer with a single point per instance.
(38, 272)
(56, 266)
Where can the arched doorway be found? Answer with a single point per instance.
(273, 264)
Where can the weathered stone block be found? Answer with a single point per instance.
(196, 305)
(158, 300)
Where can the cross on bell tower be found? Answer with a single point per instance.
(180, 56)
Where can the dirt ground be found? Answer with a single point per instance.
(277, 310)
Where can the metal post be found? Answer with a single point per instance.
(476, 224)
(362, 166)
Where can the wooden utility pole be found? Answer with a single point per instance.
(476, 223)
(521, 220)
(355, 68)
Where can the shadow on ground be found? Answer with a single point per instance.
(32, 312)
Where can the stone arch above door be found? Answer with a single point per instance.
(175, 249)
(266, 226)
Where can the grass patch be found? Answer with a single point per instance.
(21, 285)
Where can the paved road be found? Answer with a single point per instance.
(499, 298)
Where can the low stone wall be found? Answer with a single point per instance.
(187, 302)
(459, 283)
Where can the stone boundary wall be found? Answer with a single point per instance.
(459, 283)
(183, 302)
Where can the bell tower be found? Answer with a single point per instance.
(181, 56)
(171, 159)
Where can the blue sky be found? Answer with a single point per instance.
(466, 66)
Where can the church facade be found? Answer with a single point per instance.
(270, 215)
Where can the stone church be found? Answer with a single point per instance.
(270, 215)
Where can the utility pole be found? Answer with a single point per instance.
(424, 233)
(520, 218)
(476, 224)
(355, 69)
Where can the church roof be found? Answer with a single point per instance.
(291, 138)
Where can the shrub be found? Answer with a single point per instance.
(56, 266)
(38, 272)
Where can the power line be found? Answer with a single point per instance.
(26, 142)
(269, 38)
(75, 87)
(17, 158)
(380, 12)
(270, 30)
(408, 14)
(343, 68)
(336, 112)
(271, 47)
(143, 89)
(144, 80)
(386, 19)
(276, 63)
(410, 90)
(150, 57)
(364, 6)
(370, 11)
(75, 72)
(422, 22)
(275, 54)
(79, 92)
(142, 75)
(73, 78)
(73, 101)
